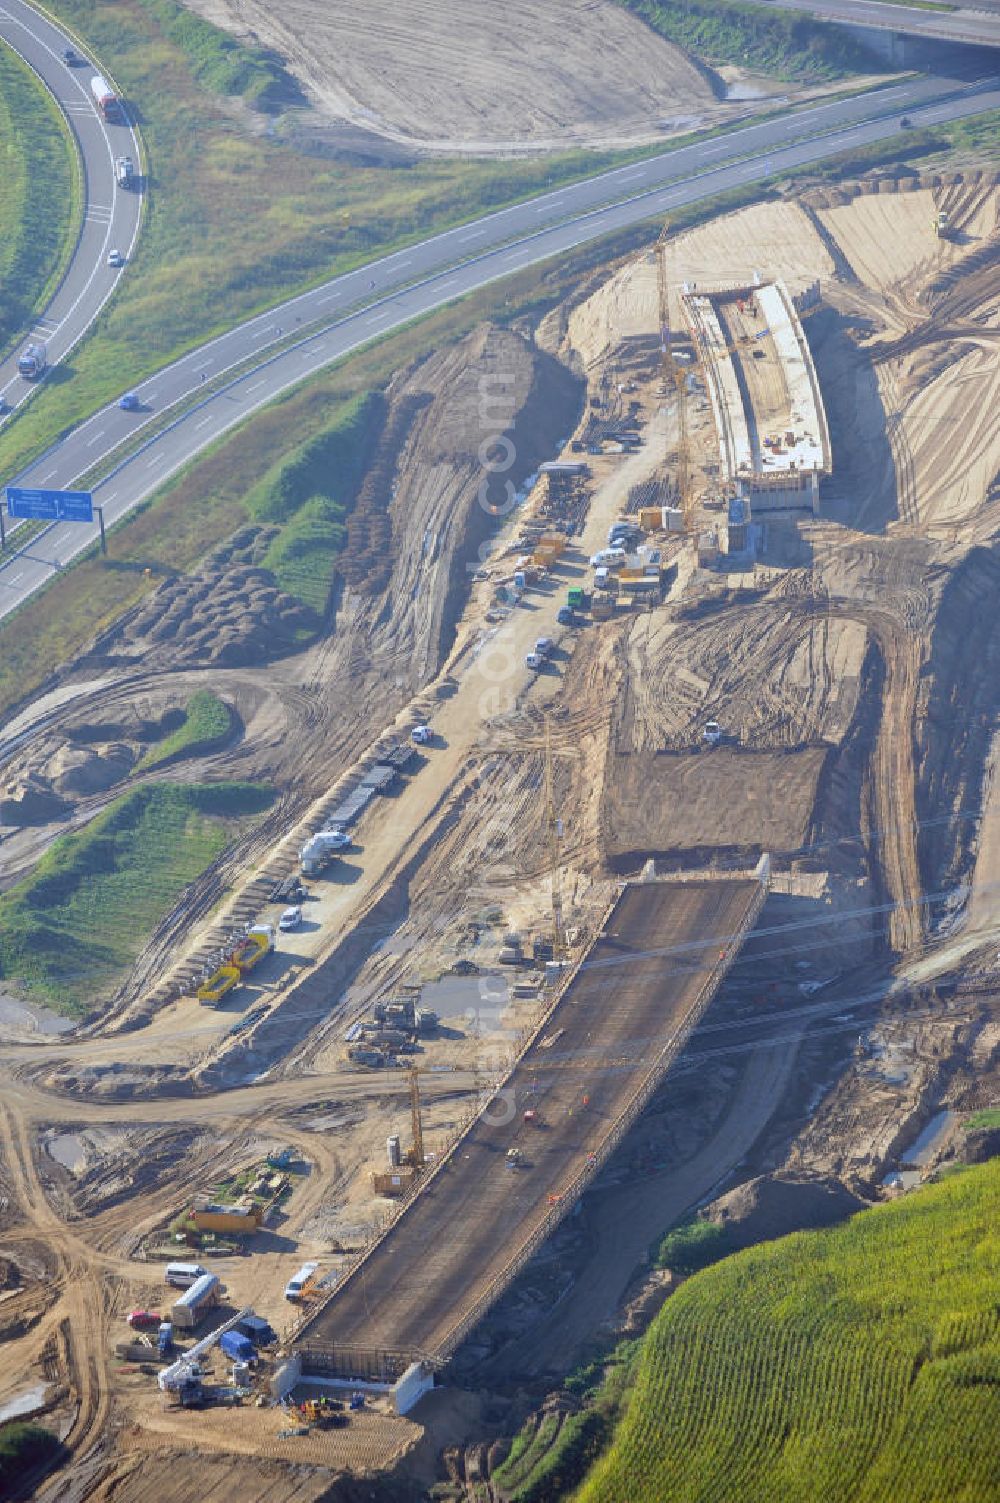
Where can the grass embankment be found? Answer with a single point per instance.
(857, 1364)
(40, 196)
(23, 1447)
(238, 219)
(782, 43)
(207, 722)
(70, 931)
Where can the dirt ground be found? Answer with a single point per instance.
(852, 667)
(469, 81)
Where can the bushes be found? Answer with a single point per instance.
(23, 1447)
(207, 722)
(221, 63)
(771, 41)
(693, 1245)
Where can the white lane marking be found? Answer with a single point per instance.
(15, 577)
(46, 477)
(106, 500)
(203, 366)
(405, 263)
(153, 459)
(92, 441)
(329, 298)
(256, 386)
(204, 423)
(473, 235)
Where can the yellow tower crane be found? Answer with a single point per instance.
(675, 376)
(416, 1153)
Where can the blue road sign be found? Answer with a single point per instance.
(50, 506)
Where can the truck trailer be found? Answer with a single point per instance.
(194, 1304)
(104, 96)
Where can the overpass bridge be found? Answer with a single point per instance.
(584, 1077)
(976, 24)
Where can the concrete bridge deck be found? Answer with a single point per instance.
(587, 1073)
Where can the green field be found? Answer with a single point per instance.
(856, 1365)
(70, 931)
(782, 43)
(39, 195)
(207, 721)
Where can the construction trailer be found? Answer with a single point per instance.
(241, 1219)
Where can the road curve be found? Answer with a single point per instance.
(110, 215)
(340, 316)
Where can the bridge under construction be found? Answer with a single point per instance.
(581, 1081)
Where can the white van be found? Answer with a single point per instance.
(183, 1275)
(609, 558)
(302, 1282)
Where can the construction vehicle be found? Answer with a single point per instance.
(319, 852)
(104, 96)
(577, 598)
(302, 1284)
(941, 224)
(32, 361)
(237, 963)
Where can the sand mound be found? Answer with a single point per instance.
(774, 1205)
(478, 76)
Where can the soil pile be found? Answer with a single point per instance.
(774, 1205)
(475, 77)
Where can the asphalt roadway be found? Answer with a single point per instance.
(276, 350)
(626, 1013)
(111, 215)
(976, 24)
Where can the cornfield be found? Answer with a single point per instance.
(857, 1365)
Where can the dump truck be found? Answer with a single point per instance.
(104, 96)
(32, 361)
(250, 951)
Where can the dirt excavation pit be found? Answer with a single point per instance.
(851, 667)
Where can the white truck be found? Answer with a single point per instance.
(317, 853)
(124, 172)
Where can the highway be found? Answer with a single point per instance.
(977, 24)
(275, 350)
(111, 215)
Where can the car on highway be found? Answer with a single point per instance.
(115, 258)
(129, 402)
(70, 58)
(290, 919)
